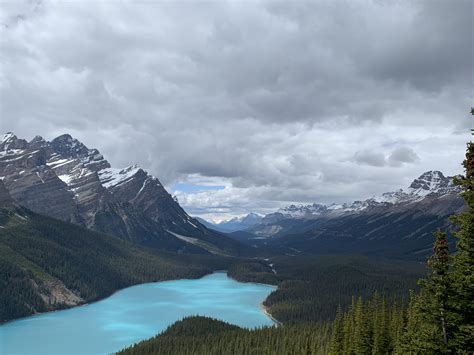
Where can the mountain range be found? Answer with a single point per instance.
(66, 180)
(234, 224)
(393, 224)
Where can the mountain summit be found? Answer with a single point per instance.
(66, 180)
(432, 182)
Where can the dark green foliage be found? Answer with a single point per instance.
(254, 271)
(202, 335)
(311, 288)
(18, 296)
(431, 305)
(370, 327)
(441, 316)
(463, 265)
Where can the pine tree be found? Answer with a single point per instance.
(337, 338)
(437, 285)
(397, 325)
(463, 270)
(361, 329)
(428, 318)
(348, 329)
(380, 342)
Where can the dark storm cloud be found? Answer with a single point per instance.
(278, 101)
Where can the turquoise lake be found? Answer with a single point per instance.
(135, 313)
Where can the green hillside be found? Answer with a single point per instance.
(47, 264)
(310, 288)
(207, 336)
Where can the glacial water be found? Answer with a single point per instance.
(135, 313)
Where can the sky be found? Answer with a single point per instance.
(247, 106)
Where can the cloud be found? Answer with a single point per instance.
(396, 158)
(370, 158)
(402, 155)
(277, 101)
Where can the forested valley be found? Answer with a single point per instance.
(437, 318)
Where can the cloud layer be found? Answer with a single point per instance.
(277, 101)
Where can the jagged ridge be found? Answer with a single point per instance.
(66, 180)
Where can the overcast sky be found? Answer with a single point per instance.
(240, 106)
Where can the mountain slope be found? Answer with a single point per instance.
(47, 264)
(66, 180)
(395, 224)
(403, 231)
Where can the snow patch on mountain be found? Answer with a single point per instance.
(111, 177)
(304, 210)
(4, 138)
(57, 163)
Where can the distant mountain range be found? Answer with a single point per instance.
(430, 184)
(394, 224)
(233, 224)
(66, 180)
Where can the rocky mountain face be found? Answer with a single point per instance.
(396, 224)
(66, 180)
(5, 198)
(234, 224)
(432, 182)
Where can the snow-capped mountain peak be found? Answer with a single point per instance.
(69, 147)
(249, 218)
(303, 210)
(9, 142)
(431, 182)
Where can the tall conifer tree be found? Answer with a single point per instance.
(463, 271)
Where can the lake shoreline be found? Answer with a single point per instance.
(88, 303)
(138, 313)
(265, 310)
(98, 299)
